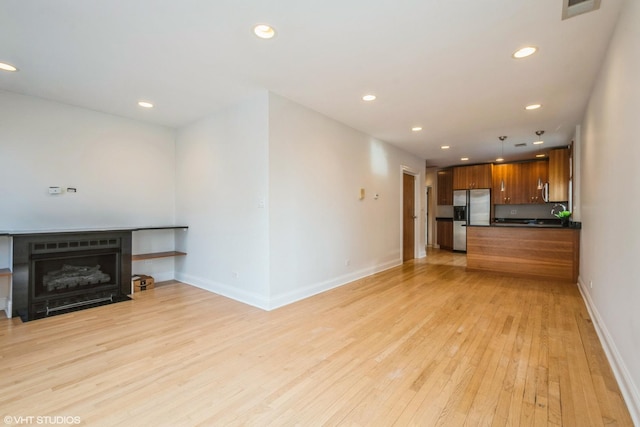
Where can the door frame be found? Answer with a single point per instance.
(427, 212)
(416, 210)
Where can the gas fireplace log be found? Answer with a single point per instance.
(71, 276)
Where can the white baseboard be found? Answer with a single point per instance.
(628, 389)
(253, 299)
(163, 277)
(278, 301)
(317, 288)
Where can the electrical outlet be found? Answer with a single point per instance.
(235, 274)
(514, 211)
(347, 262)
(591, 284)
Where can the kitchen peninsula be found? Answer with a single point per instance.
(539, 251)
(523, 236)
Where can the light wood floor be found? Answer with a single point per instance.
(422, 344)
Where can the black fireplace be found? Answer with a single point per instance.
(55, 273)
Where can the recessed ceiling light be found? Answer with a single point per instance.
(499, 159)
(524, 52)
(445, 147)
(538, 142)
(145, 104)
(532, 107)
(368, 97)
(416, 128)
(264, 31)
(540, 155)
(7, 67)
(464, 159)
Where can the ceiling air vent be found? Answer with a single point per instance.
(522, 144)
(571, 8)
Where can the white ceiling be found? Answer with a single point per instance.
(444, 65)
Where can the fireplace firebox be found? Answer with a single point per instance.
(55, 273)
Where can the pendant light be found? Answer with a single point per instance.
(538, 142)
(501, 159)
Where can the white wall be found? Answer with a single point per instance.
(318, 225)
(609, 199)
(431, 180)
(222, 195)
(214, 176)
(269, 190)
(123, 170)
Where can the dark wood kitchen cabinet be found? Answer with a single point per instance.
(559, 175)
(534, 175)
(519, 183)
(470, 177)
(444, 231)
(445, 187)
(506, 183)
(525, 251)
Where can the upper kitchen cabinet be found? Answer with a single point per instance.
(445, 187)
(506, 184)
(559, 175)
(534, 175)
(470, 177)
(519, 183)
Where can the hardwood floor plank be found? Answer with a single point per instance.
(425, 343)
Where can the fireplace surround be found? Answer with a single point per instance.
(58, 272)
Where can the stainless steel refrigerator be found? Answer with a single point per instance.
(470, 207)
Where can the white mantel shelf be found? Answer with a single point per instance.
(88, 230)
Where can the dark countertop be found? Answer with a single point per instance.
(444, 218)
(522, 225)
(87, 230)
(531, 224)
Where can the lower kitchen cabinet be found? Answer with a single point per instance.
(445, 233)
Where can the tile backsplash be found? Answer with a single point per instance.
(542, 211)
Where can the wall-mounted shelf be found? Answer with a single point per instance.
(153, 255)
(154, 249)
